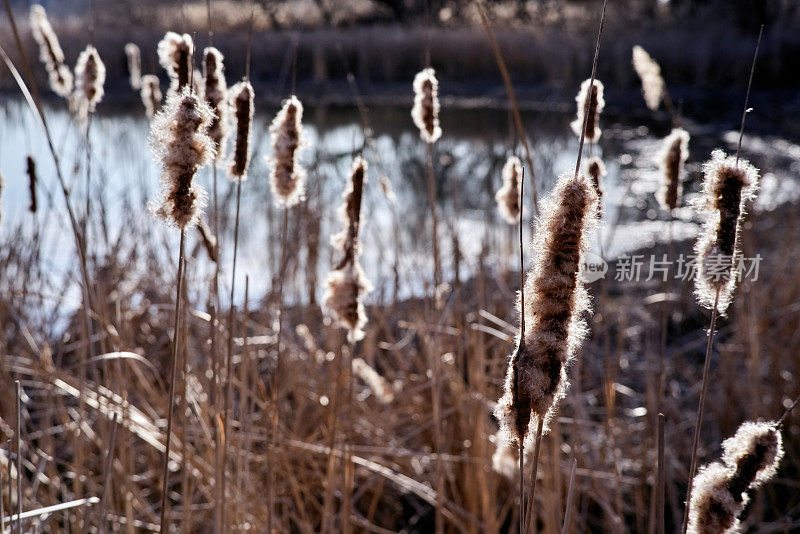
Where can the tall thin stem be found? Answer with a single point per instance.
(431, 183)
(660, 479)
(521, 337)
(173, 375)
(18, 459)
(229, 360)
(699, 419)
(747, 96)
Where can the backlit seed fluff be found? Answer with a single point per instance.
(90, 76)
(134, 56)
(175, 55)
(750, 458)
(426, 105)
(726, 188)
(674, 151)
(151, 94)
(347, 283)
(555, 301)
(181, 145)
(596, 170)
(380, 387)
(242, 94)
(507, 197)
(650, 73)
(592, 118)
(287, 178)
(50, 52)
(215, 91)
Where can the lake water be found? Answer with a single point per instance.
(468, 160)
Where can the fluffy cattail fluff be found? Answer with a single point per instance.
(216, 94)
(596, 170)
(151, 94)
(750, 458)
(426, 105)
(288, 177)
(347, 283)
(50, 52)
(726, 188)
(179, 140)
(674, 151)
(555, 301)
(90, 76)
(242, 94)
(650, 74)
(134, 56)
(380, 387)
(507, 197)
(30, 169)
(596, 105)
(175, 55)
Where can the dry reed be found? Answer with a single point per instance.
(179, 139)
(727, 187)
(242, 94)
(50, 53)
(425, 112)
(649, 72)
(674, 152)
(175, 55)
(508, 196)
(555, 301)
(134, 56)
(287, 179)
(151, 94)
(750, 458)
(592, 116)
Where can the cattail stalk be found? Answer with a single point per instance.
(508, 197)
(591, 114)
(425, 112)
(180, 142)
(90, 75)
(134, 56)
(596, 171)
(50, 52)
(242, 94)
(175, 55)
(674, 152)
(215, 91)
(151, 94)
(750, 458)
(287, 178)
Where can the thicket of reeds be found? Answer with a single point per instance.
(156, 405)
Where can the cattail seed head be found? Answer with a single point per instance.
(596, 170)
(592, 117)
(287, 178)
(90, 76)
(50, 52)
(726, 188)
(151, 94)
(347, 283)
(555, 301)
(754, 452)
(134, 56)
(180, 143)
(425, 112)
(712, 509)
(674, 151)
(650, 73)
(507, 197)
(30, 170)
(242, 94)
(215, 91)
(175, 55)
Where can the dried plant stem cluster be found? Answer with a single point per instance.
(750, 458)
(589, 110)
(50, 52)
(287, 178)
(555, 301)
(674, 152)
(728, 185)
(347, 283)
(426, 105)
(508, 196)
